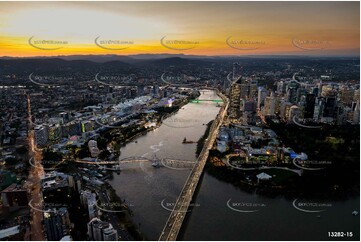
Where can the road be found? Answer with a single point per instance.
(175, 220)
(34, 178)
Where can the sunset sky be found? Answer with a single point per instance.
(252, 28)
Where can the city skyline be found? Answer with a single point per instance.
(179, 121)
(192, 28)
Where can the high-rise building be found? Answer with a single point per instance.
(101, 231)
(340, 114)
(281, 87)
(155, 91)
(235, 101)
(356, 114)
(292, 95)
(347, 95)
(320, 87)
(88, 200)
(329, 110)
(301, 92)
(55, 132)
(284, 108)
(41, 135)
(14, 197)
(262, 94)
(269, 105)
(310, 106)
(315, 91)
(244, 90)
(249, 106)
(57, 223)
(253, 89)
(318, 111)
(55, 188)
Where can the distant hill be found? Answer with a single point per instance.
(174, 61)
(57, 65)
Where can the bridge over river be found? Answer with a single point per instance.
(175, 220)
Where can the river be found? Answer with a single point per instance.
(151, 192)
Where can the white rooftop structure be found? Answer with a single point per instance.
(263, 176)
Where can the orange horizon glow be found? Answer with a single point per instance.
(214, 28)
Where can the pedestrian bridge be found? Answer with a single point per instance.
(165, 162)
(206, 100)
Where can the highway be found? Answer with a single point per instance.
(175, 220)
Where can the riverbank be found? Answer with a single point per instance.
(283, 182)
(126, 218)
(202, 139)
(119, 137)
(147, 187)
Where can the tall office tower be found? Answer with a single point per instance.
(356, 114)
(88, 200)
(291, 91)
(319, 108)
(340, 114)
(244, 89)
(235, 101)
(320, 87)
(329, 110)
(41, 135)
(284, 108)
(278, 103)
(315, 91)
(262, 94)
(101, 231)
(253, 89)
(269, 105)
(292, 95)
(280, 87)
(310, 106)
(155, 91)
(57, 223)
(300, 93)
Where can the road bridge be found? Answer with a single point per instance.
(175, 220)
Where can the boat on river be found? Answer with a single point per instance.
(185, 141)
